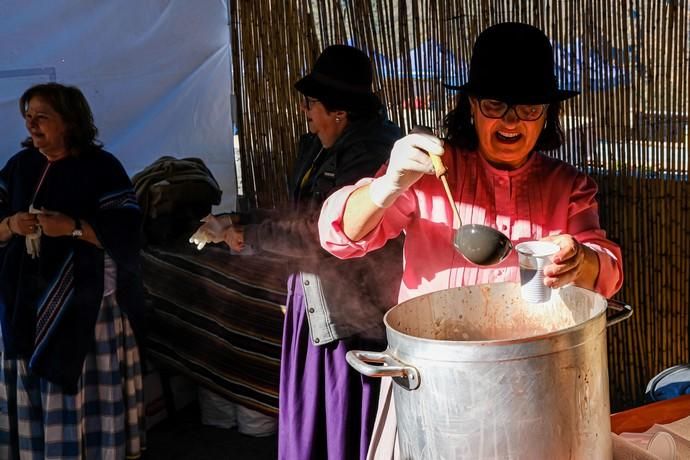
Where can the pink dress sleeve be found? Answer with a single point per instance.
(545, 197)
(334, 240)
(583, 224)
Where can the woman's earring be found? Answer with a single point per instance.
(337, 119)
(471, 119)
(546, 122)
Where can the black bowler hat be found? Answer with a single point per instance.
(341, 78)
(513, 62)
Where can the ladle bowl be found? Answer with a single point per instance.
(481, 244)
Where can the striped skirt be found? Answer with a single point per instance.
(104, 420)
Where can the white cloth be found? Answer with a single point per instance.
(33, 240)
(33, 243)
(624, 449)
(384, 441)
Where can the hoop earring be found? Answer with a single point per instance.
(546, 122)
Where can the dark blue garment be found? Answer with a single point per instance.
(49, 305)
(669, 383)
(671, 390)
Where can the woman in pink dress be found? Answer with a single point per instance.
(505, 120)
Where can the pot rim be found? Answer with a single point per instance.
(500, 342)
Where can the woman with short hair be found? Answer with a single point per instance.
(70, 290)
(326, 409)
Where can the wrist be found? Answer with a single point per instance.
(225, 220)
(226, 235)
(250, 236)
(383, 192)
(77, 231)
(590, 267)
(8, 224)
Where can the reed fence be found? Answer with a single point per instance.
(629, 127)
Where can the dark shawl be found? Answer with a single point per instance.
(49, 305)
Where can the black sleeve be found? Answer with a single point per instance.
(294, 232)
(117, 221)
(287, 232)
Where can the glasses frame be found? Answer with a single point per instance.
(308, 102)
(515, 109)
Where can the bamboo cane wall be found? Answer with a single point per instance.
(629, 127)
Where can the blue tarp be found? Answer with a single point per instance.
(445, 65)
(603, 71)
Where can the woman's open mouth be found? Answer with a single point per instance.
(509, 138)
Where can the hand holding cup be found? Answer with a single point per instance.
(533, 256)
(567, 264)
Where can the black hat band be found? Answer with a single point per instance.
(327, 80)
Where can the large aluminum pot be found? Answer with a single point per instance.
(480, 374)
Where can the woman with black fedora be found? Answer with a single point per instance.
(327, 410)
(506, 117)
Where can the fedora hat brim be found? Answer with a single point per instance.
(336, 94)
(544, 97)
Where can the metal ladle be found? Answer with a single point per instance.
(479, 244)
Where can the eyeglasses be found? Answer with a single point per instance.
(309, 101)
(491, 108)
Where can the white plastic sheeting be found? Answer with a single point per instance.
(157, 74)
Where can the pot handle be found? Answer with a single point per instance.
(405, 376)
(623, 312)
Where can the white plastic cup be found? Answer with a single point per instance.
(533, 256)
(660, 444)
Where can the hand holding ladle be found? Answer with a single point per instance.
(479, 244)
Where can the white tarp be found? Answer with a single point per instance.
(157, 74)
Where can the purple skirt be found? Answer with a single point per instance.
(327, 409)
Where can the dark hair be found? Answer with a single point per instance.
(71, 105)
(460, 131)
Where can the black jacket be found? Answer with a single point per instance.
(344, 297)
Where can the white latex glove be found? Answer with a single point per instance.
(212, 230)
(409, 161)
